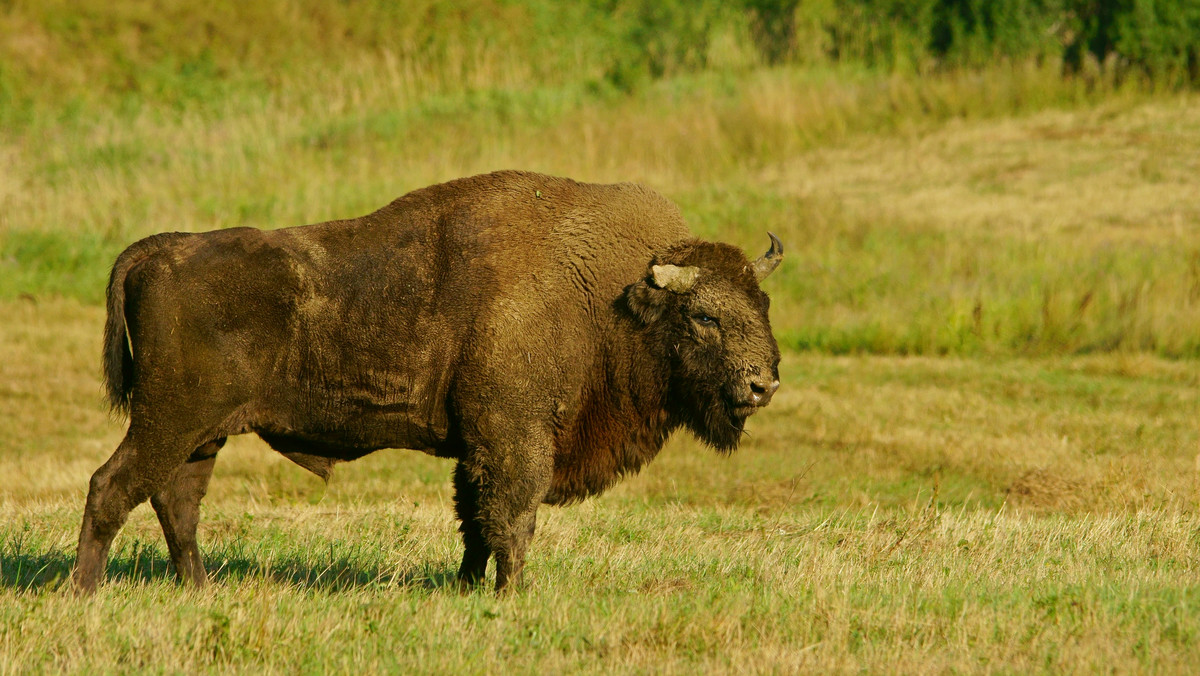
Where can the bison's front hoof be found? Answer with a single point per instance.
(467, 586)
(82, 588)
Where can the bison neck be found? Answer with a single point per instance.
(619, 425)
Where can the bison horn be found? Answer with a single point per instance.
(767, 262)
(674, 278)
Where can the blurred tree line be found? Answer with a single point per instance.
(1159, 39)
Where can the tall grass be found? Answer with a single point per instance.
(946, 210)
(963, 259)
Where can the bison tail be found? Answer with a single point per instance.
(118, 356)
(118, 359)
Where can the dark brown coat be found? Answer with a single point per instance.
(547, 334)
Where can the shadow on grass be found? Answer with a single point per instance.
(36, 572)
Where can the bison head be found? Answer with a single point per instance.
(703, 307)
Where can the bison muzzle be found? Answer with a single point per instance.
(546, 334)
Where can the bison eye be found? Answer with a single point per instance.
(705, 320)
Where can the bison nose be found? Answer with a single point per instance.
(761, 390)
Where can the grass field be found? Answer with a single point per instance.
(887, 514)
(985, 456)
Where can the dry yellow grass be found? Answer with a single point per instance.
(1111, 174)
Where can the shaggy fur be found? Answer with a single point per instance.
(509, 321)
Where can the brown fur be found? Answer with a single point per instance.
(509, 321)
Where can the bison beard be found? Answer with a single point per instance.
(547, 335)
(704, 405)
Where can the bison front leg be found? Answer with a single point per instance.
(508, 487)
(510, 557)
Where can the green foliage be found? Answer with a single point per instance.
(182, 54)
(930, 589)
(975, 31)
(658, 39)
(1162, 37)
(1159, 38)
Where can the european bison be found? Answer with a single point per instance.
(548, 335)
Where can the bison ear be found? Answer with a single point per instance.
(646, 301)
(649, 297)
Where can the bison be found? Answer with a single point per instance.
(548, 335)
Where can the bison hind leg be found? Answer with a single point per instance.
(142, 464)
(177, 505)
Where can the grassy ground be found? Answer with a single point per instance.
(886, 514)
(985, 456)
(621, 587)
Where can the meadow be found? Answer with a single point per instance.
(985, 456)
